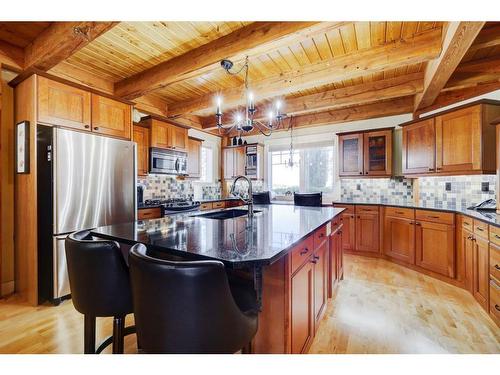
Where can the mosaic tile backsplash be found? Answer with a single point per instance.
(464, 191)
(445, 192)
(377, 190)
(167, 187)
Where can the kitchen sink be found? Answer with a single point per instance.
(225, 214)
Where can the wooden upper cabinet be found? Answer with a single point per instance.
(233, 159)
(419, 144)
(458, 141)
(377, 153)
(63, 105)
(194, 157)
(351, 155)
(141, 137)
(160, 134)
(228, 163)
(166, 135)
(178, 138)
(239, 160)
(111, 117)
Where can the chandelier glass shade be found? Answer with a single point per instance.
(247, 121)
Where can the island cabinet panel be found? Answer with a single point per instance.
(63, 105)
(349, 227)
(458, 140)
(320, 261)
(302, 309)
(495, 261)
(335, 258)
(301, 253)
(141, 138)
(480, 282)
(378, 153)
(111, 117)
(367, 229)
(495, 301)
(467, 244)
(351, 154)
(435, 247)
(399, 238)
(419, 145)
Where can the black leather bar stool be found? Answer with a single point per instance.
(188, 307)
(261, 198)
(100, 287)
(308, 199)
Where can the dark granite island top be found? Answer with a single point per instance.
(237, 242)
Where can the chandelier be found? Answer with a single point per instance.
(246, 122)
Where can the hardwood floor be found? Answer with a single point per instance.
(379, 307)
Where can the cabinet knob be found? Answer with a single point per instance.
(431, 169)
(438, 169)
(96, 128)
(86, 126)
(360, 172)
(305, 251)
(497, 307)
(316, 257)
(314, 261)
(497, 267)
(417, 223)
(366, 172)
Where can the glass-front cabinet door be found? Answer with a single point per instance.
(351, 154)
(378, 153)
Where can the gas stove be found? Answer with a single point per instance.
(175, 205)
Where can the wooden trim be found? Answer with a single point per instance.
(471, 104)
(26, 228)
(366, 131)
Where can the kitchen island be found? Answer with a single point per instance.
(293, 254)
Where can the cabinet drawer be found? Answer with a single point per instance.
(467, 222)
(149, 213)
(495, 261)
(495, 299)
(495, 235)
(435, 216)
(301, 253)
(206, 206)
(367, 209)
(219, 205)
(407, 213)
(349, 208)
(319, 236)
(481, 229)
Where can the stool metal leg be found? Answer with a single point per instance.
(118, 334)
(89, 334)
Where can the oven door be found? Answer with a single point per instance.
(162, 162)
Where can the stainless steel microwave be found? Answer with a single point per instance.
(165, 161)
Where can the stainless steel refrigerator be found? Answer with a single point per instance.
(83, 181)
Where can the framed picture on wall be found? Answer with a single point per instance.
(23, 147)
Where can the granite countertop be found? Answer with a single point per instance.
(236, 242)
(142, 206)
(489, 217)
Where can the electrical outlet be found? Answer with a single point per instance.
(358, 186)
(485, 186)
(447, 186)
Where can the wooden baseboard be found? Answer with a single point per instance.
(7, 288)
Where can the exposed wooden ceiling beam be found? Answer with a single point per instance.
(254, 39)
(422, 47)
(457, 40)
(365, 93)
(474, 72)
(11, 56)
(152, 104)
(59, 41)
(82, 77)
(362, 112)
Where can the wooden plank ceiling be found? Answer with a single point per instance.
(320, 69)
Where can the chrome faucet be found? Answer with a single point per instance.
(249, 200)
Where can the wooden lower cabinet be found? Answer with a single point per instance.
(349, 232)
(480, 272)
(435, 247)
(149, 213)
(367, 232)
(495, 300)
(399, 239)
(302, 308)
(320, 261)
(467, 244)
(335, 258)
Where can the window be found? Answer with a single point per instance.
(312, 170)
(207, 164)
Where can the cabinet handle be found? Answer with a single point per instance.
(480, 229)
(466, 223)
(305, 251)
(316, 257)
(321, 235)
(439, 168)
(314, 261)
(400, 212)
(497, 236)
(497, 307)
(433, 217)
(469, 237)
(497, 267)
(417, 223)
(431, 169)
